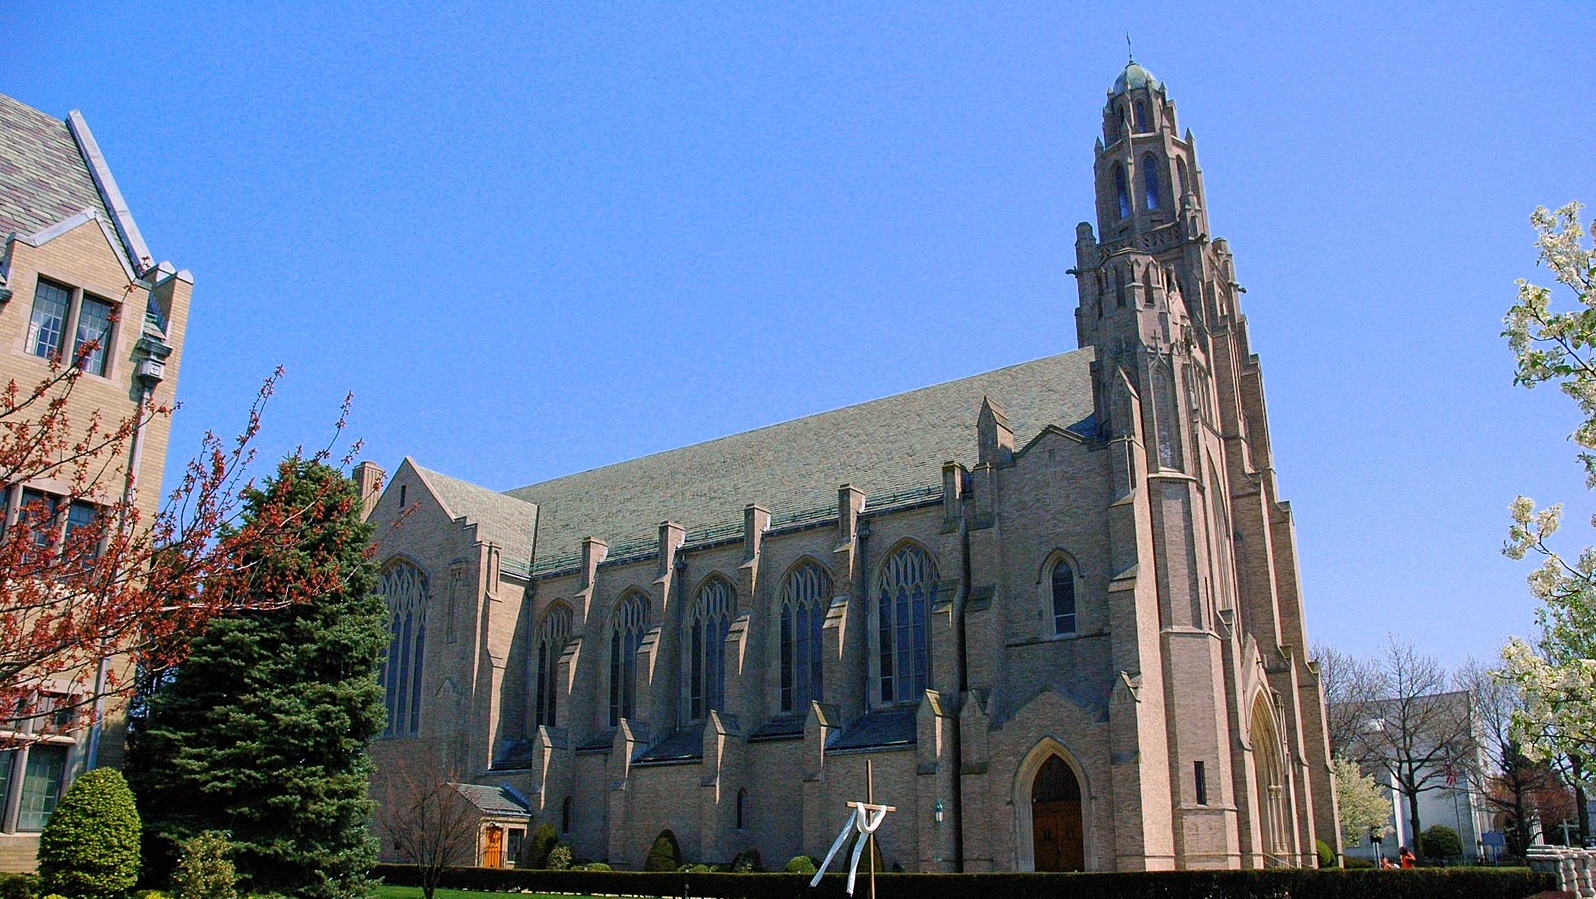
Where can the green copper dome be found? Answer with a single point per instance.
(1135, 76)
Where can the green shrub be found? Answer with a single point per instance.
(801, 864)
(665, 854)
(1327, 856)
(203, 869)
(598, 866)
(19, 886)
(55, 895)
(538, 848)
(560, 857)
(150, 894)
(1440, 841)
(90, 847)
(1352, 861)
(747, 861)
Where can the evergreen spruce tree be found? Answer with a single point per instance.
(262, 733)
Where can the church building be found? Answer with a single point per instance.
(1056, 605)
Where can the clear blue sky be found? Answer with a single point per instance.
(539, 241)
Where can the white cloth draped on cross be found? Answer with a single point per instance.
(862, 823)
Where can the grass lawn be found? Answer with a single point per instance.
(393, 892)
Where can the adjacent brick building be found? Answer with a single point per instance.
(1057, 604)
(74, 269)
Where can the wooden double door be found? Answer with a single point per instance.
(1057, 838)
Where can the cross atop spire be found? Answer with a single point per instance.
(1129, 56)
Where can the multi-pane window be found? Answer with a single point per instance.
(1063, 598)
(711, 619)
(1150, 181)
(552, 635)
(41, 785)
(37, 515)
(805, 595)
(47, 325)
(94, 334)
(626, 638)
(404, 588)
(903, 608)
(53, 312)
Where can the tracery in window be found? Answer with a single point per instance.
(626, 638)
(1150, 181)
(404, 587)
(805, 596)
(903, 609)
(1063, 595)
(710, 620)
(550, 644)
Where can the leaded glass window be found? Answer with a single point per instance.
(41, 785)
(1122, 191)
(711, 618)
(47, 325)
(626, 638)
(1150, 181)
(94, 327)
(1063, 598)
(404, 587)
(903, 608)
(805, 596)
(552, 635)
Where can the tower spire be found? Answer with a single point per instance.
(1130, 57)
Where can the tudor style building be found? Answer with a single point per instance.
(1057, 604)
(74, 270)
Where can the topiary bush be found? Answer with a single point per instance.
(747, 862)
(560, 857)
(665, 854)
(1327, 856)
(801, 864)
(90, 846)
(19, 886)
(1440, 841)
(204, 870)
(538, 848)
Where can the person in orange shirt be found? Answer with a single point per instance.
(1407, 857)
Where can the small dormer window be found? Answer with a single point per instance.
(1122, 191)
(1150, 182)
(1141, 116)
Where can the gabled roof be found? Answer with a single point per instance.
(492, 800)
(881, 447)
(51, 170)
(500, 518)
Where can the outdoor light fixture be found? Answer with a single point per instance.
(936, 811)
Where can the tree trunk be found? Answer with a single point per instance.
(1413, 822)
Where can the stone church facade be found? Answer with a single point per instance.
(1057, 604)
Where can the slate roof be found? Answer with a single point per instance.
(682, 746)
(493, 800)
(880, 447)
(43, 176)
(886, 727)
(499, 517)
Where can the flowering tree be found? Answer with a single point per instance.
(88, 581)
(1557, 675)
(1365, 808)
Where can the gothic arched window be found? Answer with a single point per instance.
(711, 618)
(1063, 594)
(1180, 169)
(404, 588)
(565, 815)
(805, 596)
(742, 809)
(1122, 191)
(1150, 181)
(1119, 287)
(1141, 116)
(552, 635)
(903, 609)
(626, 637)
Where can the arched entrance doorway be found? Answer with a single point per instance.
(1056, 836)
(1268, 784)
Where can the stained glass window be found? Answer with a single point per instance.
(805, 595)
(1123, 192)
(552, 635)
(711, 619)
(404, 587)
(1063, 599)
(1150, 181)
(626, 638)
(903, 608)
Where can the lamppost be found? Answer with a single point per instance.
(1375, 839)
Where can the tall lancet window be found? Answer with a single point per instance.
(1141, 116)
(552, 635)
(626, 637)
(404, 587)
(805, 596)
(1122, 191)
(1150, 181)
(903, 608)
(711, 618)
(1063, 598)
(1180, 169)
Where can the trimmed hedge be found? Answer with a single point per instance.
(1415, 883)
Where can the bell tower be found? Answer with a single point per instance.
(1178, 391)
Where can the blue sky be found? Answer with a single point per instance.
(537, 241)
